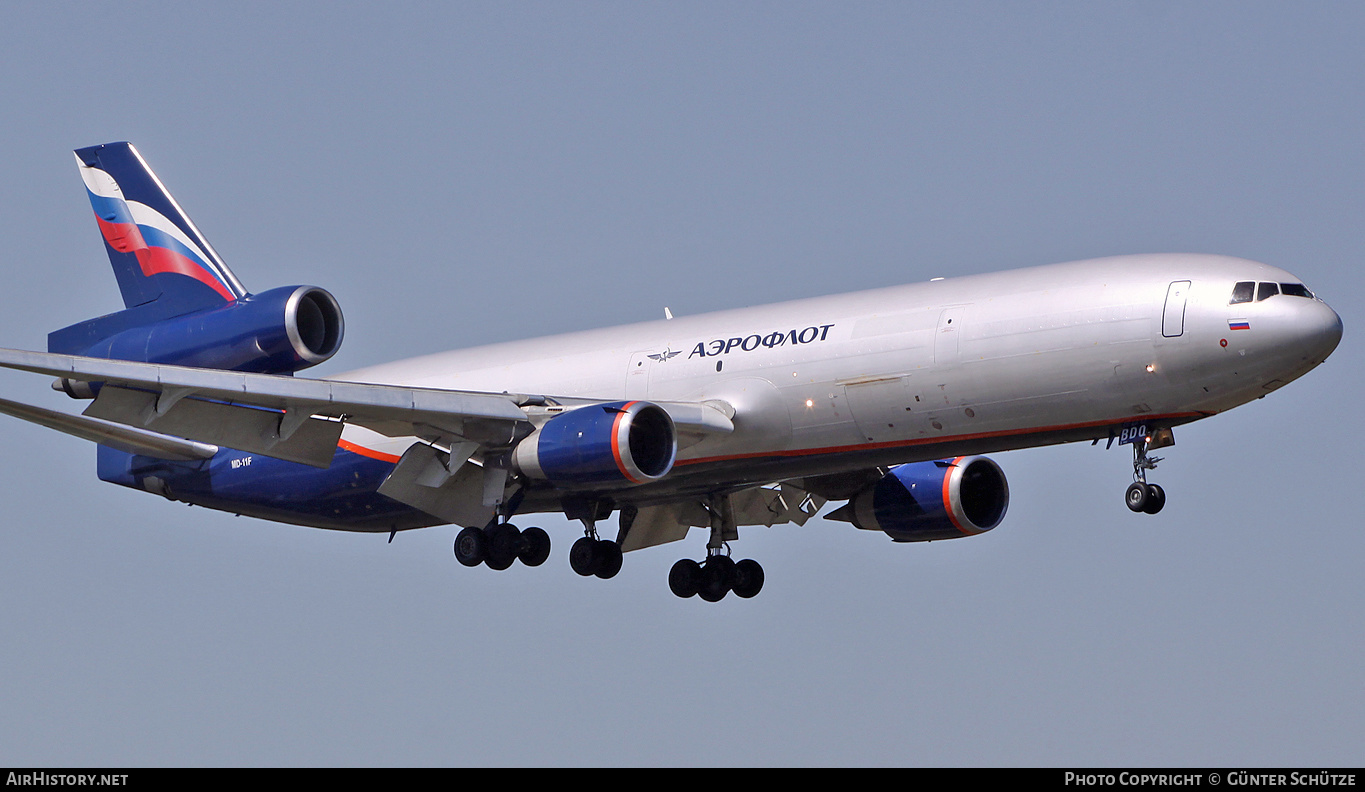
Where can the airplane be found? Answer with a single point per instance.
(886, 400)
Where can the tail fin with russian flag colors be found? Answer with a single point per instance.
(158, 254)
(182, 305)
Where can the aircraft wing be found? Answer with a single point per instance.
(289, 418)
(124, 438)
(300, 419)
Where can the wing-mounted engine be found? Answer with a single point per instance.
(928, 501)
(275, 332)
(618, 444)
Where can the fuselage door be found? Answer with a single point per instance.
(881, 407)
(948, 336)
(1173, 317)
(637, 376)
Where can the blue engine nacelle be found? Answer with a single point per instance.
(602, 445)
(275, 332)
(927, 501)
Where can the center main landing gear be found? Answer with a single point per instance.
(1141, 496)
(500, 544)
(593, 555)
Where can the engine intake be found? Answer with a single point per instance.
(928, 501)
(602, 445)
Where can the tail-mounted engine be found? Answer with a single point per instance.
(602, 445)
(927, 501)
(275, 332)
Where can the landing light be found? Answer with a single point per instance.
(1150, 368)
(810, 403)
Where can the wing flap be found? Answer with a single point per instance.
(774, 505)
(423, 479)
(268, 432)
(656, 525)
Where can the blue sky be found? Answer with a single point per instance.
(460, 173)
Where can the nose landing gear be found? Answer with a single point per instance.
(1141, 496)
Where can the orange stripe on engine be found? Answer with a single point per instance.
(346, 445)
(616, 445)
(947, 504)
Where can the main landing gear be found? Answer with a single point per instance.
(718, 574)
(1141, 496)
(500, 544)
(715, 577)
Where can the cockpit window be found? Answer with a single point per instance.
(1246, 291)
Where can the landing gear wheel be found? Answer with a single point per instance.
(717, 577)
(609, 559)
(1156, 498)
(684, 579)
(1141, 496)
(584, 558)
(748, 578)
(535, 547)
(504, 541)
(470, 546)
(1137, 496)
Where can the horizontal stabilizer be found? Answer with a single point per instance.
(115, 435)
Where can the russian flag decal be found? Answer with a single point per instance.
(1239, 324)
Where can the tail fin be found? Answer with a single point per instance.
(160, 259)
(183, 306)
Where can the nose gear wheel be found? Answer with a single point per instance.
(1141, 496)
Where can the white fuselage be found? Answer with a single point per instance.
(986, 362)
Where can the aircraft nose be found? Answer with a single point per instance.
(1322, 331)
